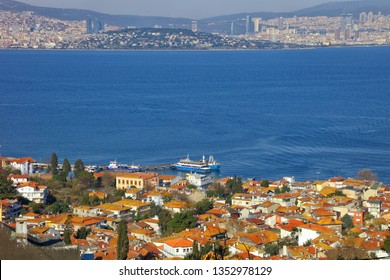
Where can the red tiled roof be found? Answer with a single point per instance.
(179, 242)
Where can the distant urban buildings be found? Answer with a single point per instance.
(27, 30)
(248, 25)
(94, 25)
(346, 21)
(194, 26)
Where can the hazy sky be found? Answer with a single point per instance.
(180, 8)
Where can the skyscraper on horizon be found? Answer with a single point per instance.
(346, 21)
(280, 23)
(94, 25)
(194, 26)
(248, 25)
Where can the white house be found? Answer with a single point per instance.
(33, 192)
(199, 180)
(178, 247)
(25, 165)
(308, 232)
(156, 197)
(18, 179)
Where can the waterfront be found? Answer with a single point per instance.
(306, 113)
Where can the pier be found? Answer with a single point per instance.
(157, 167)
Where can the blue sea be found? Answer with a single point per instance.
(305, 113)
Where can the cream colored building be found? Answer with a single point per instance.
(136, 179)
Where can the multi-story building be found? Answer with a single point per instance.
(33, 192)
(25, 165)
(9, 209)
(137, 179)
(18, 179)
(199, 180)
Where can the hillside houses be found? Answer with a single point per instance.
(167, 218)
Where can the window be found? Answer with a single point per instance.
(177, 250)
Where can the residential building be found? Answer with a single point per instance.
(33, 192)
(178, 247)
(9, 209)
(177, 206)
(137, 179)
(18, 179)
(284, 199)
(199, 180)
(85, 211)
(25, 165)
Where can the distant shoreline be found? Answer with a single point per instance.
(196, 50)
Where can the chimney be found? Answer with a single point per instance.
(284, 251)
(21, 228)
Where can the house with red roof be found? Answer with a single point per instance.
(18, 179)
(308, 232)
(178, 247)
(33, 192)
(25, 165)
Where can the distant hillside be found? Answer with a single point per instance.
(328, 9)
(331, 9)
(75, 14)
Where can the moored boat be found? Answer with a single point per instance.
(202, 166)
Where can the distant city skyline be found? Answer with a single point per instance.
(195, 9)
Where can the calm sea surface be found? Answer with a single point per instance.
(308, 113)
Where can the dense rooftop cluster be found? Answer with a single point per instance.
(167, 217)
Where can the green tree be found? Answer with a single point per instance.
(6, 188)
(57, 207)
(195, 254)
(386, 245)
(37, 208)
(108, 181)
(78, 167)
(154, 210)
(211, 193)
(163, 219)
(228, 199)
(54, 164)
(82, 233)
(234, 185)
(95, 201)
(85, 200)
(271, 249)
(203, 206)
(192, 187)
(347, 222)
(285, 189)
(265, 183)
(66, 167)
(277, 191)
(123, 241)
(67, 240)
(181, 221)
(220, 251)
(68, 230)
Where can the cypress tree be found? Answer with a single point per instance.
(78, 167)
(67, 237)
(54, 164)
(123, 241)
(66, 167)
